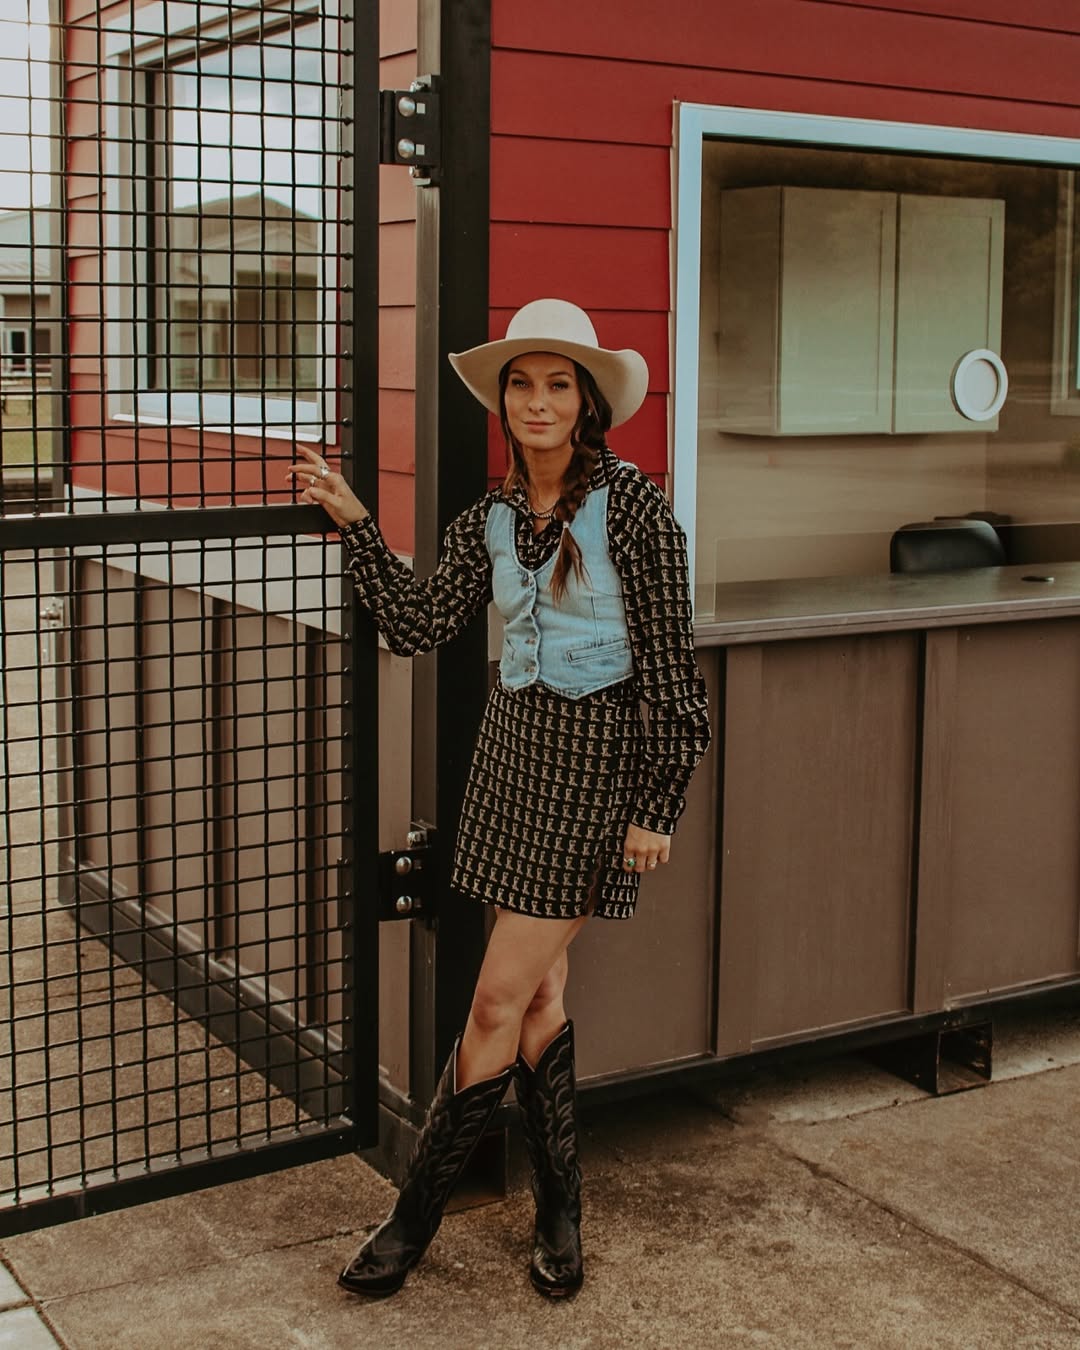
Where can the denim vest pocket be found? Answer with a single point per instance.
(596, 651)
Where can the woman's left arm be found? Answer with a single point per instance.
(648, 547)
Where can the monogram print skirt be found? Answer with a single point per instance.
(548, 802)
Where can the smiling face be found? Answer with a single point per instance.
(542, 402)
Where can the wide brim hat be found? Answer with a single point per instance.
(560, 327)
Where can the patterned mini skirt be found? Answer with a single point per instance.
(548, 801)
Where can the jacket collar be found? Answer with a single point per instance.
(518, 498)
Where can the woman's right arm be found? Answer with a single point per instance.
(414, 615)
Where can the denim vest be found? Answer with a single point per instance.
(575, 647)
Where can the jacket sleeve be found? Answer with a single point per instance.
(649, 550)
(415, 615)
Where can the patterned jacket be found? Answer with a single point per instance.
(648, 548)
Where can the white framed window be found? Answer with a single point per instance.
(834, 279)
(220, 202)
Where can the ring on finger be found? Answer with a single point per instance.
(324, 471)
(651, 864)
(629, 863)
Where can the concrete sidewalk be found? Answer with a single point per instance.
(832, 1206)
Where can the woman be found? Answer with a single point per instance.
(569, 800)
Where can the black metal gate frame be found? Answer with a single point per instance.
(59, 535)
(205, 998)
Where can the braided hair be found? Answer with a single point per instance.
(587, 439)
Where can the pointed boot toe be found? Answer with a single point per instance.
(454, 1125)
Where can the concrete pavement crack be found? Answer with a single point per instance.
(822, 1172)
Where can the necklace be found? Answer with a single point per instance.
(544, 515)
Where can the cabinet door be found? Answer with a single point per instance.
(948, 303)
(805, 309)
(837, 297)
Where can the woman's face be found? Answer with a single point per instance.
(542, 401)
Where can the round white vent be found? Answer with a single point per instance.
(979, 385)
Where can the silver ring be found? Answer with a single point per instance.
(651, 864)
(324, 472)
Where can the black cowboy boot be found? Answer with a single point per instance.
(455, 1121)
(548, 1099)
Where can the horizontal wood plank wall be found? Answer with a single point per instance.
(397, 297)
(582, 127)
(1055, 15)
(84, 262)
(104, 454)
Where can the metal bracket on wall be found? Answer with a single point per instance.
(950, 1059)
(410, 129)
(405, 877)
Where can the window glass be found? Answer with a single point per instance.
(862, 315)
(240, 232)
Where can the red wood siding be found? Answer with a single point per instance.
(178, 464)
(1059, 16)
(582, 118)
(94, 449)
(397, 296)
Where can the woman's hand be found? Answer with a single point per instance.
(330, 490)
(643, 849)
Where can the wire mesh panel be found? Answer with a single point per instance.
(188, 712)
(173, 976)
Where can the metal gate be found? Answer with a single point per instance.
(188, 937)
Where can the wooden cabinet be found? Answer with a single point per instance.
(948, 302)
(846, 312)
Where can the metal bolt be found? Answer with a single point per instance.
(403, 904)
(403, 865)
(406, 148)
(406, 106)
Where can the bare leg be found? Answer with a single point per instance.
(545, 1016)
(520, 954)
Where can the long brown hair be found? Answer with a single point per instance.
(587, 439)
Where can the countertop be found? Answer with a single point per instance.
(761, 611)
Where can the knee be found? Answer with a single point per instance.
(496, 1006)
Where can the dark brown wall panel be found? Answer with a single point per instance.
(104, 715)
(174, 673)
(642, 990)
(818, 805)
(1014, 851)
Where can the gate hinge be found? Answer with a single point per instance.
(406, 877)
(410, 129)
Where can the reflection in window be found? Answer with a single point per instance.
(843, 294)
(240, 230)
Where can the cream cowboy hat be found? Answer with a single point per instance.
(560, 327)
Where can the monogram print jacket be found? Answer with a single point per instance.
(648, 548)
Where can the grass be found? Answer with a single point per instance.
(21, 443)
